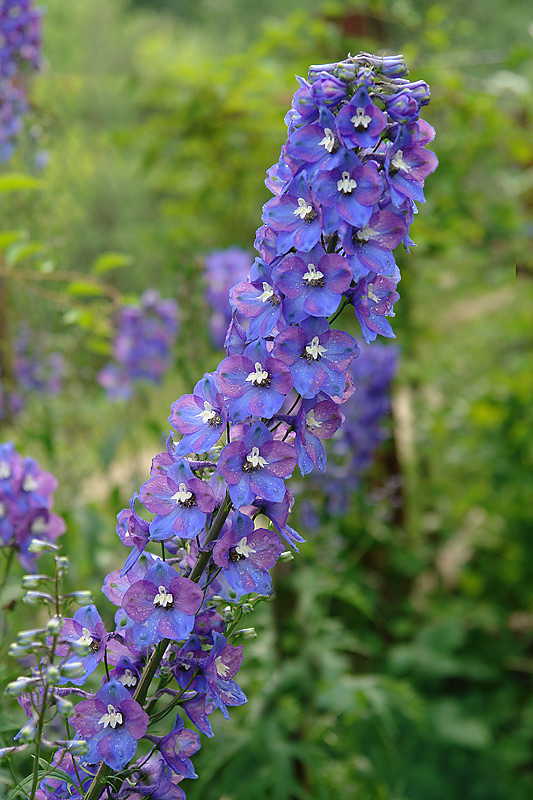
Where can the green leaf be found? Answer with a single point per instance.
(9, 237)
(83, 288)
(20, 250)
(109, 261)
(18, 181)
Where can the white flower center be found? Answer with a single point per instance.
(360, 119)
(182, 495)
(365, 234)
(5, 470)
(313, 275)
(29, 484)
(329, 140)
(86, 639)
(222, 669)
(346, 184)
(2, 510)
(244, 549)
(303, 209)
(311, 422)
(398, 162)
(112, 718)
(38, 525)
(207, 414)
(371, 294)
(259, 377)
(163, 598)
(267, 292)
(255, 459)
(128, 679)
(314, 349)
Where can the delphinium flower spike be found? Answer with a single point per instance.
(344, 196)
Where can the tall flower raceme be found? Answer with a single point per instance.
(142, 348)
(25, 505)
(223, 269)
(20, 53)
(353, 448)
(345, 188)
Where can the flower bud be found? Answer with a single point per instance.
(247, 608)
(64, 706)
(35, 598)
(54, 625)
(228, 614)
(27, 733)
(74, 669)
(287, 555)
(41, 546)
(82, 598)
(76, 747)
(62, 564)
(21, 686)
(19, 650)
(247, 633)
(52, 674)
(33, 581)
(345, 71)
(27, 637)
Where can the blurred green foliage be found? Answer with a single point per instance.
(395, 661)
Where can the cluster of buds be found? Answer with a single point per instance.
(25, 505)
(20, 52)
(223, 269)
(217, 502)
(142, 348)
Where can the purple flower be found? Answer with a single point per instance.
(257, 386)
(246, 554)
(133, 531)
(259, 302)
(373, 300)
(295, 216)
(178, 746)
(312, 283)
(360, 122)
(256, 466)
(112, 723)
(162, 605)
(315, 422)
(85, 628)
(180, 501)
(200, 417)
(349, 191)
(317, 356)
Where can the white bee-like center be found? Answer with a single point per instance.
(128, 679)
(398, 162)
(365, 234)
(329, 140)
(313, 274)
(314, 349)
(346, 184)
(371, 294)
(163, 598)
(85, 638)
(255, 459)
(267, 292)
(29, 484)
(222, 669)
(303, 208)
(5, 471)
(311, 422)
(360, 119)
(207, 414)
(259, 376)
(112, 718)
(244, 549)
(38, 525)
(182, 495)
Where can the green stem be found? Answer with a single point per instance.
(9, 561)
(38, 747)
